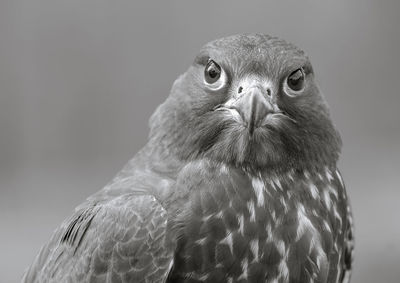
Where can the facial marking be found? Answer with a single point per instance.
(231, 113)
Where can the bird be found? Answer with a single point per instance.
(238, 182)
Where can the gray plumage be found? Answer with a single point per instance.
(237, 183)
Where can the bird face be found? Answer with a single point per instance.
(251, 101)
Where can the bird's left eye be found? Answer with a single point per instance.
(214, 76)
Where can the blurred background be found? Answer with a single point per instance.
(79, 80)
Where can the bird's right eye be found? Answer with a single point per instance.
(214, 76)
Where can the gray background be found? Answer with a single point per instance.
(79, 80)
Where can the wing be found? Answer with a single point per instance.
(348, 248)
(346, 259)
(123, 239)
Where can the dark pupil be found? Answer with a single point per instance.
(212, 72)
(296, 79)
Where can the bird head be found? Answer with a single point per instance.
(249, 101)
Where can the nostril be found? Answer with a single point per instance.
(240, 89)
(268, 92)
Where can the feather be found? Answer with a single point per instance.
(227, 188)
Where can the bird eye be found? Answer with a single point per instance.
(295, 81)
(212, 72)
(214, 76)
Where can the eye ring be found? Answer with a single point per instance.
(214, 76)
(295, 82)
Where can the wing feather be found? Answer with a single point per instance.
(123, 239)
(349, 248)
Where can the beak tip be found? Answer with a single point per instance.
(251, 127)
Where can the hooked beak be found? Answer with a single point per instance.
(253, 107)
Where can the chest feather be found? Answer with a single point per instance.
(261, 229)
